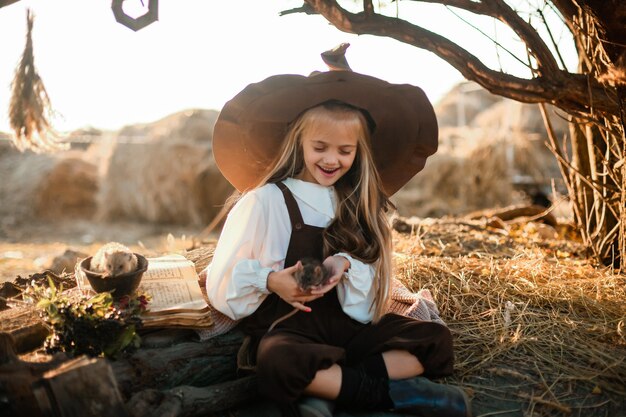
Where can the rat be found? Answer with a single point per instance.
(114, 259)
(312, 274)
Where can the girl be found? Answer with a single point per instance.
(323, 196)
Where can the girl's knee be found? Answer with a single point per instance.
(273, 357)
(276, 372)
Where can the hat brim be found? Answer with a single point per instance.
(251, 127)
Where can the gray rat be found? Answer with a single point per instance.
(312, 274)
(113, 259)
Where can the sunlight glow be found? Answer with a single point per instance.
(198, 55)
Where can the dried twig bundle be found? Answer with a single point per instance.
(30, 105)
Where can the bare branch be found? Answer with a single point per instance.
(554, 43)
(538, 49)
(494, 41)
(565, 90)
(567, 8)
(305, 8)
(498, 9)
(7, 2)
(368, 7)
(469, 5)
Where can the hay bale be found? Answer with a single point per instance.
(21, 173)
(166, 173)
(483, 167)
(193, 125)
(61, 185)
(463, 103)
(513, 116)
(459, 179)
(69, 190)
(163, 182)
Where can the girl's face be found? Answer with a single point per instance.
(329, 150)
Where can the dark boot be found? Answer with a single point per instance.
(422, 397)
(315, 407)
(289, 410)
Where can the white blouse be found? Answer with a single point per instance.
(254, 242)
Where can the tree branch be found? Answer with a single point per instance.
(565, 90)
(495, 42)
(498, 9)
(555, 45)
(368, 7)
(529, 35)
(470, 6)
(568, 10)
(7, 2)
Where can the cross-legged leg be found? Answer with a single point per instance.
(402, 364)
(326, 384)
(399, 364)
(287, 363)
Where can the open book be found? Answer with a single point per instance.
(177, 299)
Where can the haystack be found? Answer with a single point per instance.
(477, 168)
(513, 116)
(458, 179)
(62, 185)
(492, 161)
(193, 125)
(169, 176)
(463, 103)
(69, 190)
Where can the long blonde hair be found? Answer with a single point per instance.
(360, 226)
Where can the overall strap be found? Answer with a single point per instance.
(292, 207)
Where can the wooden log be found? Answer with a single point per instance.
(16, 394)
(22, 320)
(188, 401)
(25, 327)
(218, 397)
(79, 387)
(82, 387)
(184, 362)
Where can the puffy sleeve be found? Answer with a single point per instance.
(354, 291)
(237, 278)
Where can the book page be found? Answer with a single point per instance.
(167, 295)
(170, 267)
(172, 282)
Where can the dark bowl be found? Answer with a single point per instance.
(119, 285)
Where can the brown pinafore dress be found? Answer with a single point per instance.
(288, 356)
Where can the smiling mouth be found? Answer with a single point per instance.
(328, 171)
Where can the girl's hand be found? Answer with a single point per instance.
(336, 266)
(284, 284)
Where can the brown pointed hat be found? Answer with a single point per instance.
(252, 126)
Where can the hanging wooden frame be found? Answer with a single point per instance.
(151, 16)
